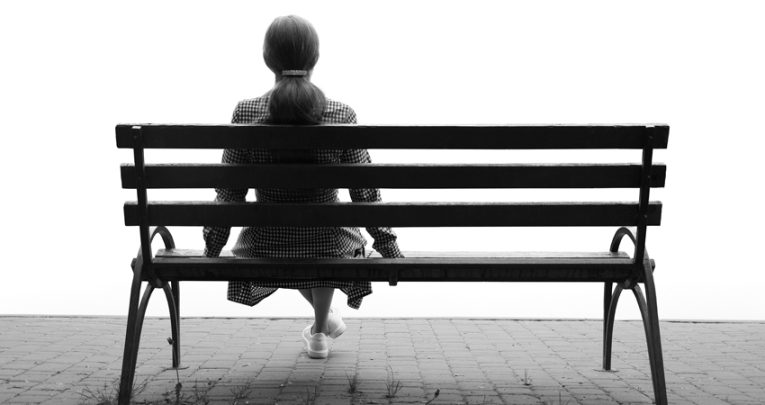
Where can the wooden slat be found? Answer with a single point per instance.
(199, 253)
(201, 213)
(584, 269)
(394, 137)
(189, 264)
(392, 176)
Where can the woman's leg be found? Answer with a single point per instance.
(321, 300)
(306, 292)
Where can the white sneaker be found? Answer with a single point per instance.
(316, 344)
(335, 324)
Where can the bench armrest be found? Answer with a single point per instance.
(618, 236)
(167, 239)
(617, 240)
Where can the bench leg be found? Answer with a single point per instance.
(653, 335)
(653, 339)
(128, 371)
(136, 314)
(607, 295)
(608, 324)
(650, 314)
(607, 298)
(611, 299)
(173, 301)
(638, 292)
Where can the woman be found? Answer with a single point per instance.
(291, 50)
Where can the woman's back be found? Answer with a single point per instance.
(297, 241)
(255, 111)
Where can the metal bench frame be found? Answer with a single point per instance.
(170, 266)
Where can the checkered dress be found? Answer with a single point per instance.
(296, 242)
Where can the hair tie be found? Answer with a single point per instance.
(298, 73)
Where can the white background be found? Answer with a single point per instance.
(72, 70)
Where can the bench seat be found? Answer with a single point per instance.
(190, 265)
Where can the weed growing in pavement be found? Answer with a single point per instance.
(107, 395)
(392, 385)
(241, 393)
(353, 382)
(199, 396)
(101, 396)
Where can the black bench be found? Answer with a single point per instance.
(170, 265)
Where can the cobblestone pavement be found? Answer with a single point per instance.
(77, 360)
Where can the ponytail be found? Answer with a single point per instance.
(292, 43)
(295, 100)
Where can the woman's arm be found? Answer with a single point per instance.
(216, 237)
(385, 238)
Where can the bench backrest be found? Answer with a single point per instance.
(640, 213)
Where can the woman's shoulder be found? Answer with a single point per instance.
(336, 112)
(256, 110)
(251, 110)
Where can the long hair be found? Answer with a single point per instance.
(292, 43)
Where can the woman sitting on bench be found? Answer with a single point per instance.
(291, 50)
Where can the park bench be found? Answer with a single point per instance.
(617, 270)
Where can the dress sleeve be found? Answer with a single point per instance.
(216, 237)
(385, 238)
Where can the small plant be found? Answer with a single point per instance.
(241, 394)
(353, 382)
(198, 396)
(435, 395)
(392, 385)
(526, 379)
(101, 396)
(107, 395)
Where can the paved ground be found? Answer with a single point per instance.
(77, 360)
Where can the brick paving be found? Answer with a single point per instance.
(75, 360)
